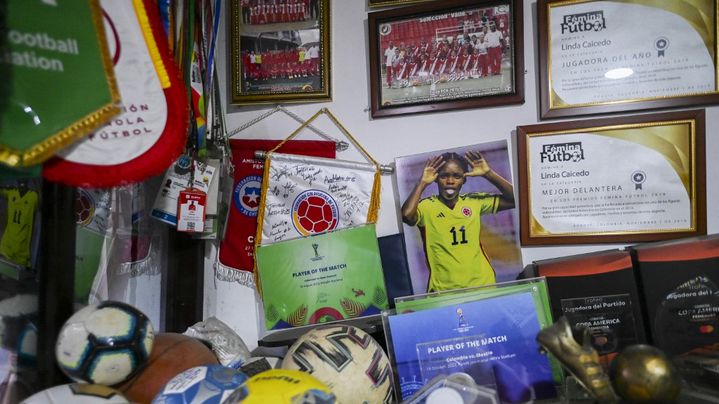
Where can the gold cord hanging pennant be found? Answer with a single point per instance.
(302, 196)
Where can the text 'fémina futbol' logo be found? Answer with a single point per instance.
(314, 212)
(247, 195)
(583, 22)
(560, 152)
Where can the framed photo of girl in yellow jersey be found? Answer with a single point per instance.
(458, 210)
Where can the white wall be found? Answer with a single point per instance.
(388, 138)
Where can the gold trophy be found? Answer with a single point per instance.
(582, 361)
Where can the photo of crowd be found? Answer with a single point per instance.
(459, 54)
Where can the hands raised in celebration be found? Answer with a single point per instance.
(478, 166)
(431, 169)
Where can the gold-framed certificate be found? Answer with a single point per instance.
(621, 55)
(630, 179)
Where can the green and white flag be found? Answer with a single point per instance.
(58, 81)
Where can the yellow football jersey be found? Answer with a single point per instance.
(451, 241)
(15, 242)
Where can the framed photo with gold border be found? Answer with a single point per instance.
(280, 51)
(446, 55)
(596, 58)
(618, 180)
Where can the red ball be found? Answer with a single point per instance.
(171, 354)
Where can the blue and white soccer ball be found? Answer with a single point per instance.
(210, 384)
(104, 343)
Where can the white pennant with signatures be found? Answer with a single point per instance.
(314, 195)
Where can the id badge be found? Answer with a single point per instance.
(191, 210)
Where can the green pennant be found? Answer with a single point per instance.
(58, 79)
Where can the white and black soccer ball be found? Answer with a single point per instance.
(348, 360)
(77, 393)
(104, 343)
(210, 384)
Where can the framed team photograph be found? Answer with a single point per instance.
(459, 215)
(613, 180)
(594, 60)
(438, 57)
(386, 3)
(280, 51)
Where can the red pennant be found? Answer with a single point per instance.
(237, 249)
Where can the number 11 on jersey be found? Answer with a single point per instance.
(454, 236)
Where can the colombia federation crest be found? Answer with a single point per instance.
(314, 211)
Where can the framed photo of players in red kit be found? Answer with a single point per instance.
(280, 51)
(438, 57)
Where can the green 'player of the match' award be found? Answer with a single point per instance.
(58, 81)
(317, 279)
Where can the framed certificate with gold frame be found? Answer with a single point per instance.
(618, 180)
(599, 57)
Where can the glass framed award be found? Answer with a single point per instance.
(488, 333)
(597, 291)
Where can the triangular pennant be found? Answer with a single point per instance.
(151, 132)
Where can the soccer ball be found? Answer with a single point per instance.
(104, 343)
(202, 384)
(282, 386)
(315, 212)
(348, 360)
(171, 355)
(78, 393)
